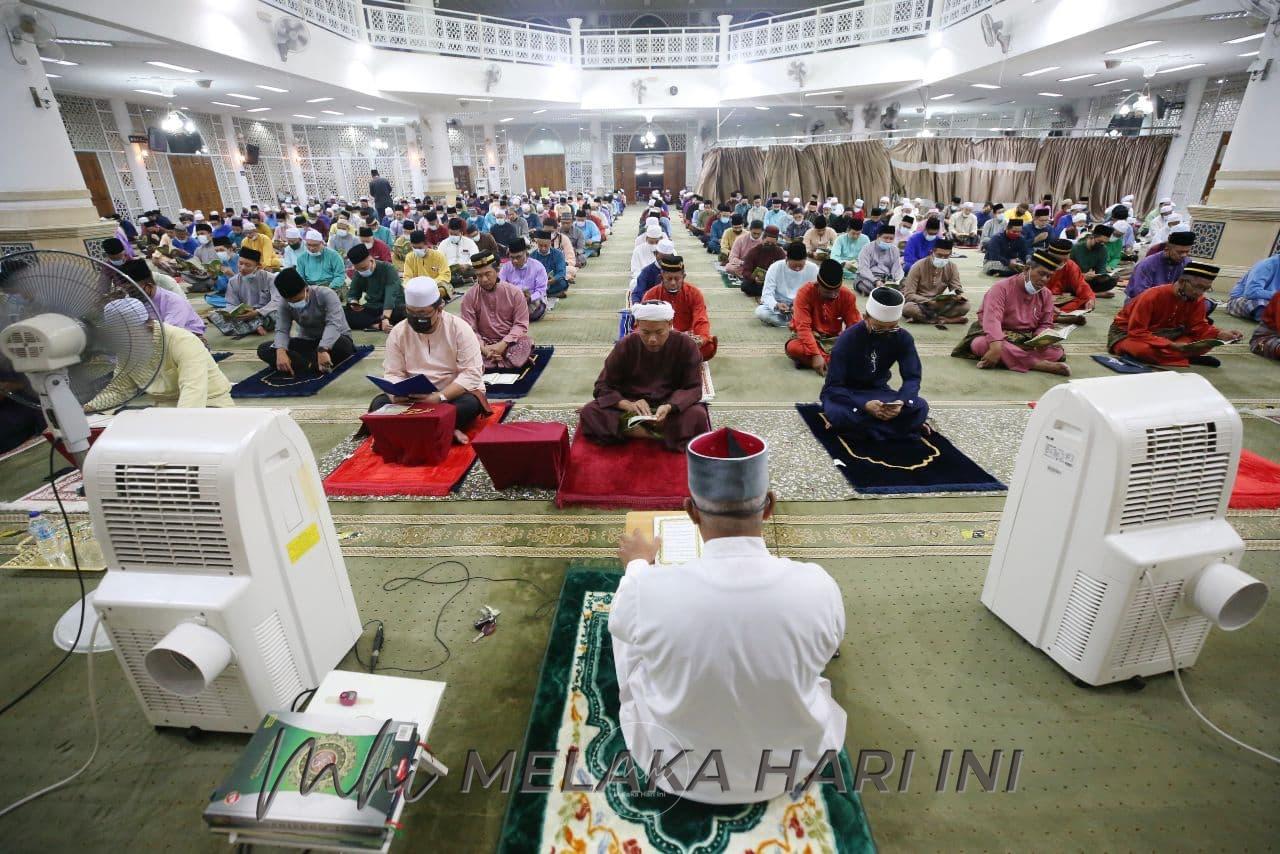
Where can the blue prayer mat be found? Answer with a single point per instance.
(269, 382)
(1122, 364)
(528, 376)
(218, 357)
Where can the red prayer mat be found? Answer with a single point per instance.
(366, 473)
(1257, 484)
(636, 475)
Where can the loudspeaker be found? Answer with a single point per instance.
(250, 154)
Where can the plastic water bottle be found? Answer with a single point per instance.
(49, 540)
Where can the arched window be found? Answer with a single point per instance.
(648, 22)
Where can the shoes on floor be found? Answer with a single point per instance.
(551, 303)
(1206, 361)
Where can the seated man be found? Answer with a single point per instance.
(926, 283)
(1006, 253)
(570, 241)
(458, 249)
(377, 248)
(820, 239)
(1266, 338)
(650, 372)
(499, 314)
(1162, 268)
(342, 236)
(686, 299)
(848, 247)
(759, 258)
(1164, 325)
(652, 275)
(964, 226)
(742, 624)
(719, 225)
(319, 265)
(1090, 254)
(994, 224)
(590, 232)
(166, 305)
(1040, 231)
(727, 239)
(920, 244)
(254, 239)
(118, 255)
(378, 283)
(529, 276)
(1070, 291)
(425, 260)
(879, 263)
(553, 262)
(1253, 293)
(823, 309)
(856, 397)
(781, 284)
(645, 251)
(742, 245)
(323, 338)
(187, 376)
(1013, 312)
(441, 347)
(255, 288)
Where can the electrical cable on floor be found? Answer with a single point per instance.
(79, 577)
(1173, 662)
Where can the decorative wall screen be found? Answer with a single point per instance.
(269, 180)
(1218, 109)
(336, 159)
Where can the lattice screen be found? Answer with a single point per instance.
(161, 175)
(336, 160)
(1218, 110)
(91, 127)
(269, 179)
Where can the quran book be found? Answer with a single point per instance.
(681, 540)
(1079, 312)
(1049, 337)
(947, 296)
(500, 379)
(1210, 343)
(392, 409)
(639, 419)
(416, 384)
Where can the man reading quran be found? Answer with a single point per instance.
(650, 387)
(1016, 313)
(499, 314)
(252, 291)
(687, 301)
(856, 397)
(1168, 325)
(441, 347)
(823, 309)
(932, 288)
(725, 652)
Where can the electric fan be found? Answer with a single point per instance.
(1114, 527)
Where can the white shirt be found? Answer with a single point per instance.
(726, 653)
(642, 256)
(783, 283)
(458, 250)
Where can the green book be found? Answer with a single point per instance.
(372, 759)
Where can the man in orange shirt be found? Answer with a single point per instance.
(1266, 338)
(688, 303)
(822, 310)
(1163, 325)
(1070, 290)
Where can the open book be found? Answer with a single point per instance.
(639, 419)
(501, 379)
(681, 540)
(1079, 312)
(948, 295)
(416, 384)
(1049, 337)
(1209, 343)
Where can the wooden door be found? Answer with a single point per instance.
(1217, 164)
(545, 170)
(462, 178)
(96, 182)
(624, 176)
(197, 186)
(673, 176)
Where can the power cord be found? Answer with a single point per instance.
(391, 585)
(1173, 662)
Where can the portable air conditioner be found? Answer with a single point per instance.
(1117, 477)
(226, 594)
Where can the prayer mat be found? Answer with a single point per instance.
(1257, 484)
(731, 281)
(1121, 364)
(528, 375)
(219, 356)
(922, 464)
(365, 473)
(575, 713)
(42, 498)
(269, 382)
(636, 475)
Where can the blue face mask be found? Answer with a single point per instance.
(300, 305)
(1030, 288)
(930, 237)
(365, 273)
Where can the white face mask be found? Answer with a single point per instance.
(315, 252)
(224, 256)
(1030, 288)
(419, 252)
(203, 239)
(940, 263)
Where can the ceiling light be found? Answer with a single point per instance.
(942, 97)
(1044, 70)
(1050, 94)
(816, 94)
(271, 88)
(83, 42)
(302, 116)
(1109, 83)
(243, 97)
(1134, 46)
(1243, 39)
(480, 100)
(331, 112)
(318, 100)
(258, 110)
(984, 86)
(1076, 77)
(796, 115)
(762, 108)
(158, 64)
(508, 119)
(1250, 53)
(47, 74)
(539, 112)
(1226, 16)
(1180, 67)
(225, 104)
(149, 92)
(367, 109)
(58, 61)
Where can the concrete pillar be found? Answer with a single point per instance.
(599, 180)
(434, 133)
(575, 41)
(414, 150)
(724, 39)
(43, 198)
(490, 166)
(693, 159)
(296, 180)
(1244, 204)
(133, 154)
(1178, 146)
(237, 161)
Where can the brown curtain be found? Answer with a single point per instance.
(727, 169)
(979, 170)
(858, 170)
(1102, 168)
(848, 170)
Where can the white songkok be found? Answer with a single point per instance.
(1166, 201)
(199, 217)
(312, 234)
(653, 310)
(666, 246)
(292, 233)
(884, 200)
(1166, 209)
(857, 204)
(885, 311)
(421, 291)
(128, 311)
(1126, 200)
(967, 206)
(387, 211)
(653, 230)
(1080, 217)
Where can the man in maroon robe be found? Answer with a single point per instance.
(653, 374)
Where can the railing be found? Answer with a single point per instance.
(890, 136)
(828, 28)
(336, 16)
(955, 11)
(457, 34)
(687, 47)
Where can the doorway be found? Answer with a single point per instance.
(194, 179)
(96, 182)
(650, 174)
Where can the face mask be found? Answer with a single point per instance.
(930, 237)
(300, 305)
(224, 256)
(342, 231)
(203, 239)
(368, 243)
(940, 263)
(117, 262)
(420, 252)
(725, 219)
(422, 324)
(885, 244)
(1029, 288)
(315, 253)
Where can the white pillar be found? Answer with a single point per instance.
(575, 41)
(133, 155)
(598, 177)
(490, 165)
(693, 159)
(1019, 118)
(435, 136)
(237, 162)
(1178, 145)
(414, 150)
(724, 39)
(1249, 165)
(295, 165)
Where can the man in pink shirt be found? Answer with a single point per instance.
(499, 314)
(1014, 311)
(441, 347)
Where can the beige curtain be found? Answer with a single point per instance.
(979, 170)
(727, 169)
(1103, 169)
(848, 170)
(858, 170)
